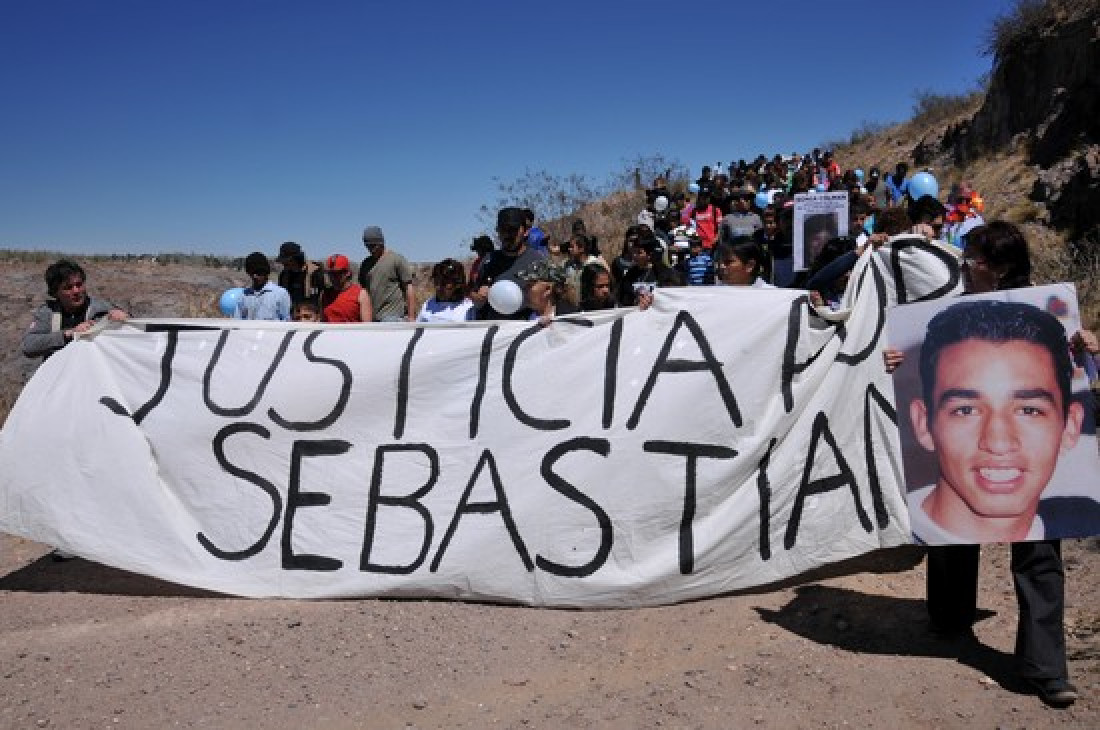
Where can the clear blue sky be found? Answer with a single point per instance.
(226, 126)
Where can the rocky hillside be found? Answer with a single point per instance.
(1030, 143)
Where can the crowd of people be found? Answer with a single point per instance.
(730, 227)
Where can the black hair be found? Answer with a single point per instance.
(1004, 248)
(58, 273)
(892, 221)
(744, 249)
(858, 206)
(593, 245)
(632, 235)
(451, 272)
(257, 263)
(511, 217)
(925, 209)
(589, 274)
(997, 322)
(586, 244)
(833, 249)
(305, 304)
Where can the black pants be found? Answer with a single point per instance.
(1040, 592)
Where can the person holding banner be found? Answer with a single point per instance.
(596, 289)
(996, 258)
(264, 299)
(69, 312)
(547, 292)
(647, 272)
(742, 262)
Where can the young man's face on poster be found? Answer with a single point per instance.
(997, 421)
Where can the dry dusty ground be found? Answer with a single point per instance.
(83, 645)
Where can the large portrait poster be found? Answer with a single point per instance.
(996, 417)
(818, 217)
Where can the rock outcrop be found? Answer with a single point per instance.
(1045, 93)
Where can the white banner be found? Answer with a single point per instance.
(725, 438)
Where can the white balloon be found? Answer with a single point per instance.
(505, 296)
(660, 204)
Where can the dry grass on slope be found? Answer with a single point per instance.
(1003, 178)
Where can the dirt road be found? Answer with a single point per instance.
(83, 645)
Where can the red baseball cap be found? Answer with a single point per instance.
(338, 262)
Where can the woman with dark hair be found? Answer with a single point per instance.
(69, 311)
(450, 303)
(995, 258)
(596, 291)
(742, 262)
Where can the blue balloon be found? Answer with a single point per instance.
(693, 188)
(859, 174)
(229, 300)
(761, 200)
(923, 184)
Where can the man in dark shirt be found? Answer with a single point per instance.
(513, 256)
(304, 280)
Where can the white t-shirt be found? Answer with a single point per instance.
(929, 532)
(437, 311)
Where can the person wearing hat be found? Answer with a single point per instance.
(264, 299)
(513, 256)
(482, 246)
(303, 280)
(547, 292)
(344, 300)
(388, 277)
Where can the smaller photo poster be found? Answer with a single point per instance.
(818, 218)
